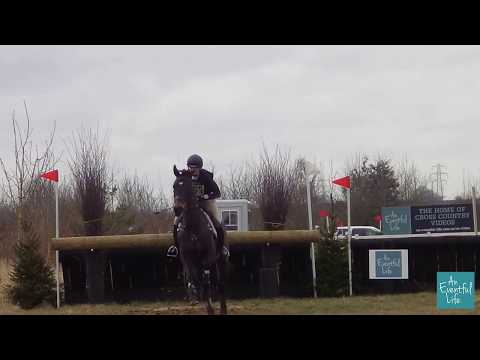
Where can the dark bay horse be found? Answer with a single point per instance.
(202, 261)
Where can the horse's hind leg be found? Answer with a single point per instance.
(207, 288)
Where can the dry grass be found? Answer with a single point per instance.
(403, 304)
(4, 279)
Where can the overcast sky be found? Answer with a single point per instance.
(328, 103)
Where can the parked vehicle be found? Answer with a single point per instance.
(341, 232)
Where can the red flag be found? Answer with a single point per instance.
(377, 218)
(51, 175)
(323, 213)
(345, 182)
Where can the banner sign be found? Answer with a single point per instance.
(442, 218)
(427, 219)
(388, 264)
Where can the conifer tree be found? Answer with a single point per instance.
(32, 280)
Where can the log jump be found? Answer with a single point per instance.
(281, 237)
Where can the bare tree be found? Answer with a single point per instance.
(88, 165)
(411, 181)
(468, 182)
(298, 217)
(71, 223)
(139, 208)
(274, 180)
(21, 182)
(138, 193)
(413, 185)
(238, 183)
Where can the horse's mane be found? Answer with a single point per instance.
(186, 172)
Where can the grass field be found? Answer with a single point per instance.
(402, 304)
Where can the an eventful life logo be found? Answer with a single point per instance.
(455, 290)
(389, 264)
(396, 220)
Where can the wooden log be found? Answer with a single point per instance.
(165, 240)
(273, 237)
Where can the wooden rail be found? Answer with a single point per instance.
(165, 240)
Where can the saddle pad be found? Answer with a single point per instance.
(212, 227)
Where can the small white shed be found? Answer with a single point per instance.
(234, 214)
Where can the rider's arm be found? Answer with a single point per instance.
(211, 188)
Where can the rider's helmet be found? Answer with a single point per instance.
(195, 161)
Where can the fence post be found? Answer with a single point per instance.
(95, 275)
(269, 275)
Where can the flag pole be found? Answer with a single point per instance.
(345, 182)
(56, 252)
(349, 245)
(312, 245)
(474, 208)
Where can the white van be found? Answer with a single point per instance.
(342, 231)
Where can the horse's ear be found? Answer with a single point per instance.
(175, 171)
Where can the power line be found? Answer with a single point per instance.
(437, 178)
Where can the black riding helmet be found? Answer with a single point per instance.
(195, 161)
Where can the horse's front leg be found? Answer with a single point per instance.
(193, 284)
(192, 291)
(207, 290)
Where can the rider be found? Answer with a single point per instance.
(207, 190)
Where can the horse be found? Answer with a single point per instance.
(202, 260)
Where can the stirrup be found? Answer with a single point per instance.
(172, 251)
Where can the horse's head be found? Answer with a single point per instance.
(182, 188)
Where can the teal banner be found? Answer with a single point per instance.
(456, 290)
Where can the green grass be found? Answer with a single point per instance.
(402, 304)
